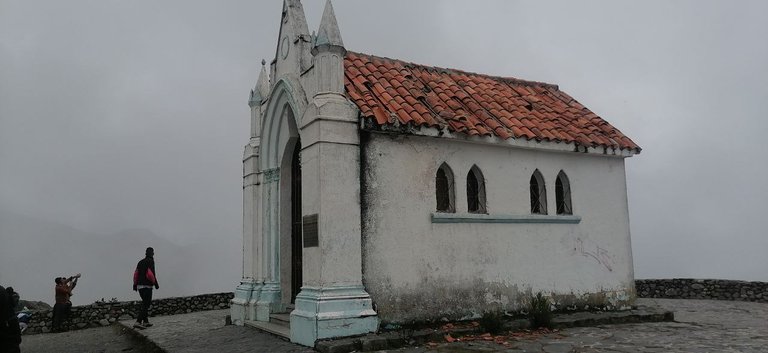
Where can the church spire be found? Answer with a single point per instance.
(328, 34)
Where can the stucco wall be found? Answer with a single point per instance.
(418, 270)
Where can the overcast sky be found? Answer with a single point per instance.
(120, 115)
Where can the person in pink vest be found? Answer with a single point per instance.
(144, 278)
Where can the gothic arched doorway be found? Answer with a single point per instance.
(296, 240)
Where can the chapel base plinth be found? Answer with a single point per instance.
(332, 312)
(238, 306)
(268, 302)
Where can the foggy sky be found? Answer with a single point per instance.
(119, 115)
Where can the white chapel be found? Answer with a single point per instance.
(379, 191)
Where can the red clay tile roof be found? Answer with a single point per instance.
(392, 92)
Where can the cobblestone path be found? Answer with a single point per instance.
(204, 331)
(700, 326)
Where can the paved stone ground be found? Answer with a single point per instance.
(112, 339)
(701, 326)
(205, 331)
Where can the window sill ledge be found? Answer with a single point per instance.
(438, 217)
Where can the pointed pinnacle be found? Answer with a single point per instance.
(328, 33)
(262, 84)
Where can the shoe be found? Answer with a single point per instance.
(139, 326)
(147, 324)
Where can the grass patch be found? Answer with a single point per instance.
(540, 311)
(492, 321)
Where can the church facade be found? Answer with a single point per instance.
(382, 191)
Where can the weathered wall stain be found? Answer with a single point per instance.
(438, 301)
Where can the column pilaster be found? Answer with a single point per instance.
(270, 293)
(247, 289)
(332, 301)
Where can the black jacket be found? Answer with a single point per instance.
(10, 332)
(142, 275)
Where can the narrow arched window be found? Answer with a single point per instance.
(538, 194)
(476, 191)
(563, 194)
(444, 189)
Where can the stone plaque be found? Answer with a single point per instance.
(310, 231)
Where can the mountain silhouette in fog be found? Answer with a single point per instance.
(34, 251)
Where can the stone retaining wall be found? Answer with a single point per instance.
(688, 288)
(106, 313)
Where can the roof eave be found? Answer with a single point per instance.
(542, 145)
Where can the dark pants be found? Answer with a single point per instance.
(10, 336)
(60, 315)
(146, 301)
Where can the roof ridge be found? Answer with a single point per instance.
(513, 80)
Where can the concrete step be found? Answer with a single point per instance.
(275, 329)
(283, 319)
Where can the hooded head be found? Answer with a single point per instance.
(13, 296)
(150, 252)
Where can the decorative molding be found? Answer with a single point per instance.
(271, 175)
(438, 217)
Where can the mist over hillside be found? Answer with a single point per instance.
(34, 251)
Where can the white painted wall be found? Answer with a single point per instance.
(417, 270)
